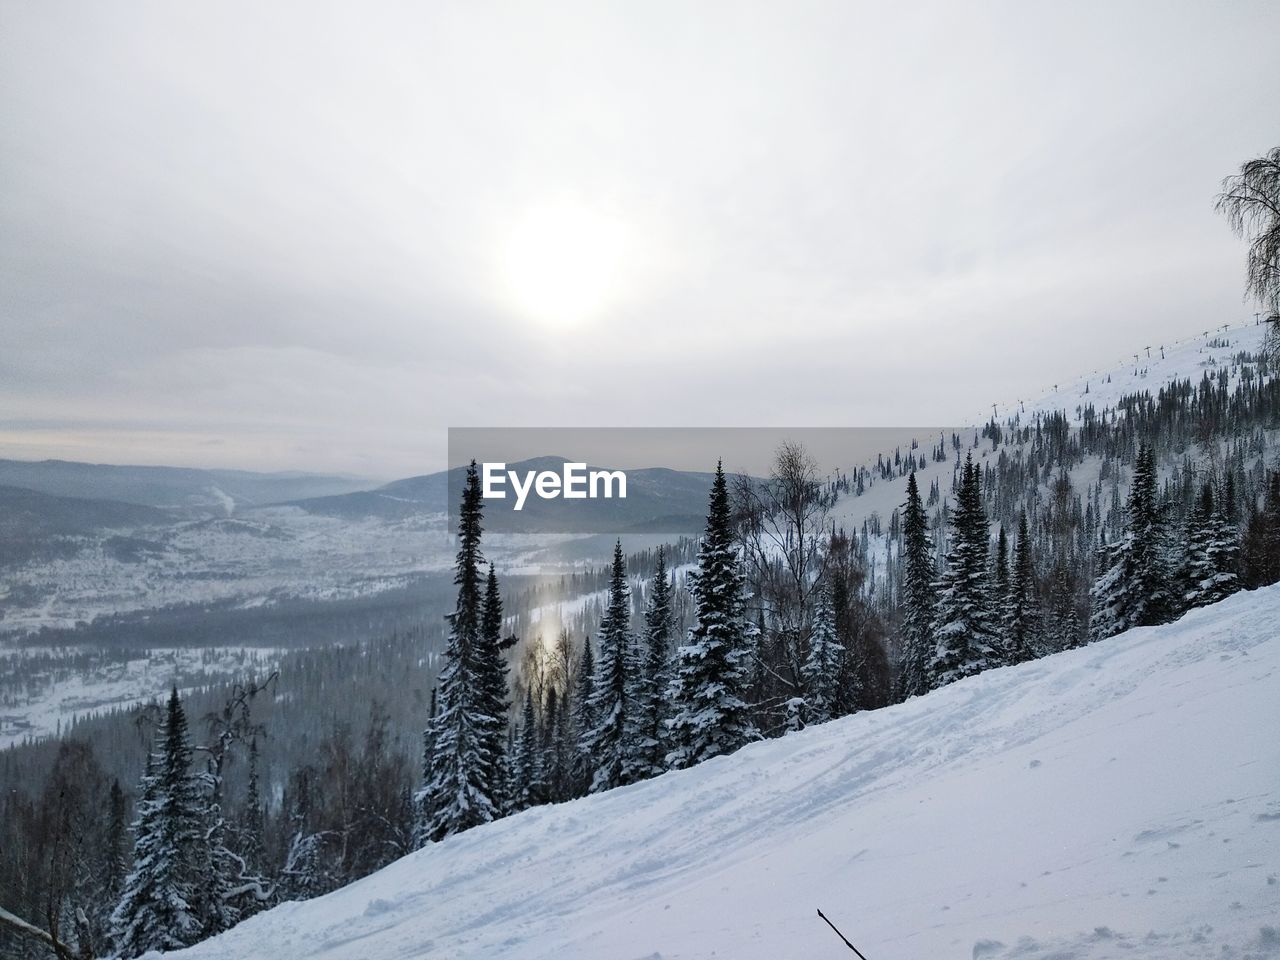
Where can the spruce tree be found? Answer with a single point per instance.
(528, 765)
(966, 639)
(157, 908)
(1260, 550)
(612, 741)
(584, 718)
(460, 794)
(917, 596)
(1022, 629)
(652, 708)
(252, 820)
(821, 669)
(555, 753)
(1212, 557)
(710, 717)
(302, 875)
(494, 704)
(115, 854)
(1132, 590)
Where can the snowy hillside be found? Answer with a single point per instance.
(1188, 358)
(1118, 800)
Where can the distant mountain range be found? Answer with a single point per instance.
(55, 508)
(171, 488)
(658, 500)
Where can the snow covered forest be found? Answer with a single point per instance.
(1034, 534)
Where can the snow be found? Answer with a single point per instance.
(53, 699)
(1117, 800)
(1144, 368)
(1185, 359)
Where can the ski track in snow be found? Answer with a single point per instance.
(1119, 800)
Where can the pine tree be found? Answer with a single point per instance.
(115, 853)
(652, 707)
(917, 596)
(1260, 550)
(821, 670)
(555, 755)
(495, 704)
(461, 792)
(965, 630)
(1022, 628)
(528, 767)
(584, 718)
(302, 876)
(1212, 555)
(156, 910)
(710, 717)
(422, 798)
(1132, 590)
(613, 739)
(252, 820)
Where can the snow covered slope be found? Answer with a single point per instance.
(1122, 800)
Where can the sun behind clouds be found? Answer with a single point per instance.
(563, 263)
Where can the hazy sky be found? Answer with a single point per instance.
(313, 236)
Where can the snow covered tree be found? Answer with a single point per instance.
(1212, 558)
(302, 875)
(710, 717)
(461, 792)
(1022, 626)
(252, 818)
(528, 766)
(656, 676)
(613, 740)
(1132, 591)
(966, 639)
(494, 704)
(822, 666)
(584, 718)
(556, 748)
(917, 595)
(115, 854)
(156, 911)
(1260, 551)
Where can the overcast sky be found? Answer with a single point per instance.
(278, 237)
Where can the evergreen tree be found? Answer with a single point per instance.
(115, 854)
(156, 910)
(584, 718)
(495, 704)
(1212, 555)
(821, 670)
(613, 739)
(1132, 590)
(302, 876)
(1260, 550)
(555, 753)
(966, 641)
(252, 820)
(652, 706)
(461, 792)
(710, 717)
(917, 595)
(528, 767)
(422, 798)
(1022, 628)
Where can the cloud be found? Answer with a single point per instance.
(286, 222)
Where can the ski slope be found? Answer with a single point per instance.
(1121, 800)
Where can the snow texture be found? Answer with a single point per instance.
(1119, 800)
